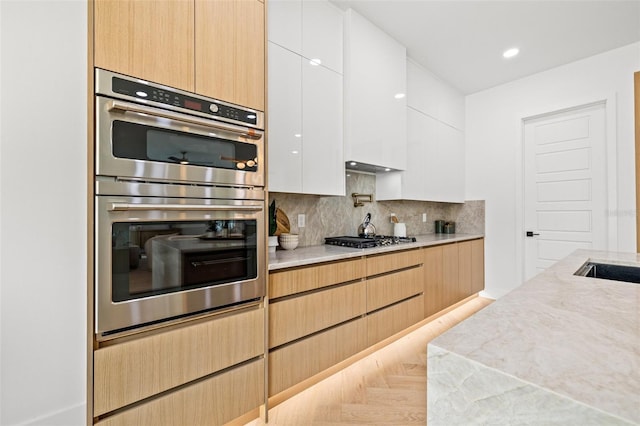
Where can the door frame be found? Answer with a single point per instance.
(609, 102)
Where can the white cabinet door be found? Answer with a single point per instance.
(420, 181)
(451, 164)
(323, 158)
(312, 29)
(322, 33)
(285, 120)
(428, 94)
(375, 72)
(435, 166)
(305, 126)
(285, 24)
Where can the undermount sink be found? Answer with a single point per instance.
(608, 271)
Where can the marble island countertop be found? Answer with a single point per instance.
(301, 256)
(560, 349)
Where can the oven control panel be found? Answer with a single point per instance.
(156, 93)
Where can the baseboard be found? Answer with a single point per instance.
(71, 416)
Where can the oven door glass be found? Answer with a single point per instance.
(153, 258)
(143, 142)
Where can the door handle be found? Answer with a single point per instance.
(122, 106)
(181, 207)
(531, 233)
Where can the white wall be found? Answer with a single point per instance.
(43, 58)
(493, 140)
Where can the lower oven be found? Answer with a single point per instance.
(174, 251)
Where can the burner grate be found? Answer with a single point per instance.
(360, 242)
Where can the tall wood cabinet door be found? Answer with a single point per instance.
(433, 281)
(230, 51)
(449, 274)
(465, 271)
(152, 40)
(477, 265)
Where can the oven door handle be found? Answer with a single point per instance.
(175, 116)
(180, 207)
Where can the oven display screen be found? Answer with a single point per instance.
(197, 106)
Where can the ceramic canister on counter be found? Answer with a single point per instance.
(439, 226)
(450, 228)
(399, 230)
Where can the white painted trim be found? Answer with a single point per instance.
(70, 416)
(611, 113)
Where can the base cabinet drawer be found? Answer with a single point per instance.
(213, 401)
(291, 281)
(381, 263)
(387, 289)
(128, 372)
(298, 361)
(387, 322)
(296, 317)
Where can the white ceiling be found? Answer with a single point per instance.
(462, 41)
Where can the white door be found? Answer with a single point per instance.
(565, 185)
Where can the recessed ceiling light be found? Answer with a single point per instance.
(510, 53)
(399, 95)
(294, 152)
(315, 62)
(298, 135)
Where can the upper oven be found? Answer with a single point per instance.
(146, 131)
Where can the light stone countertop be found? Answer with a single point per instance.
(559, 349)
(327, 253)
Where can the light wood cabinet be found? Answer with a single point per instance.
(230, 51)
(131, 371)
(212, 47)
(433, 281)
(144, 39)
(296, 317)
(450, 282)
(477, 265)
(290, 281)
(389, 321)
(298, 361)
(319, 315)
(387, 289)
(452, 272)
(382, 263)
(212, 401)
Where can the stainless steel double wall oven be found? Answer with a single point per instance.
(179, 205)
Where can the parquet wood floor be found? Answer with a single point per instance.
(388, 387)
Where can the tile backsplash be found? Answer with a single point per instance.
(331, 216)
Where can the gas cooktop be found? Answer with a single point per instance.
(369, 242)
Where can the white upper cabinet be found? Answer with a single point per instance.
(435, 143)
(322, 131)
(428, 94)
(322, 28)
(305, 113)
(284, 120)
(285, 24)
(375, 101)
(312, 29)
